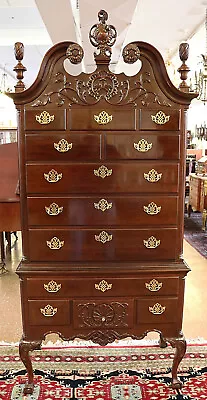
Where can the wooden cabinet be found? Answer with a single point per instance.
(102, 196)
(198, 196)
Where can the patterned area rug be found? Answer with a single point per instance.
(193, 233)
(109, 373)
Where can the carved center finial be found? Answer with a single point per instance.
(103, 37)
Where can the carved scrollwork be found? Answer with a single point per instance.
(103, 37)
(131, 53)
(103, 315)
(74, 53)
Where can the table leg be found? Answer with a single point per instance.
(3, 269)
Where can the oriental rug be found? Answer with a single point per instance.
(105, 373)
(194, 234)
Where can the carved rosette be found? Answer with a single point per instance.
(74, 53)
(103, 315)
(131, 53)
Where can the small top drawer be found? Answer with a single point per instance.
(45, 120)
(102, 118)
(158, 120)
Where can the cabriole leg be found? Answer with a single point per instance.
(180, 348)
(24, 348)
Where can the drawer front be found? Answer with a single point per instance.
(106, 314)
(83, 119)
(160, 120)
(45, 120)
(56, 287)
(102, 178)
(63, 147)
(142, 146)
(157, 310)
(49, 312)
(110, 210)
(102, 244)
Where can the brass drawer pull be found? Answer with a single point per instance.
(143, 146)
(55, 243)
(102, 205)
(103, 118)
(53, 209)
(52, 287)
(157, 309)
(152, 176)
(160, 118)
(151, 242)
(152, 208)
(48, 311)
(103, 286)
(53, 176)
(102, 172)
(103, 237)
(153, 285)
(63, 146)
(44, 118)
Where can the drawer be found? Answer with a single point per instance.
(108, 210)
(142, 146)
(45, 120)
(102, 178)
(49, 312)
(92, 118)
(157, 310)
(107, 314)
(102, 244)
(103, 286)
(63, 147)
(160, 120)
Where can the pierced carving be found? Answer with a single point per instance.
(151, 243)
(103, 286)
(53, 209)
(52, 287)
(103, 118)
(55, 243)
(53, 176)
(103, 237)
(152, 176)
(143, 146)
(157, 309)
(48, 311)
(101, 85)
(103, 315)
(160, 118)
(63, 146)
(153, 285)
(75, 53)
(103, 205)
(44, 118)
(152, 208)
(102, 172)
(131, 53)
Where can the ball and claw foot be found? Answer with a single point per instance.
(162, 343)
(28, 388)
(176, 384)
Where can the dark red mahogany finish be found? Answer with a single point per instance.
(102, 198)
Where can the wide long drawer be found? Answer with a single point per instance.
(102, 244)
(59, 287)
(103, 178)
(107, 210)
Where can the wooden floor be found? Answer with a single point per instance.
(194, 325)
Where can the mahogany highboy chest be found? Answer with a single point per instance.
(102, 161)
